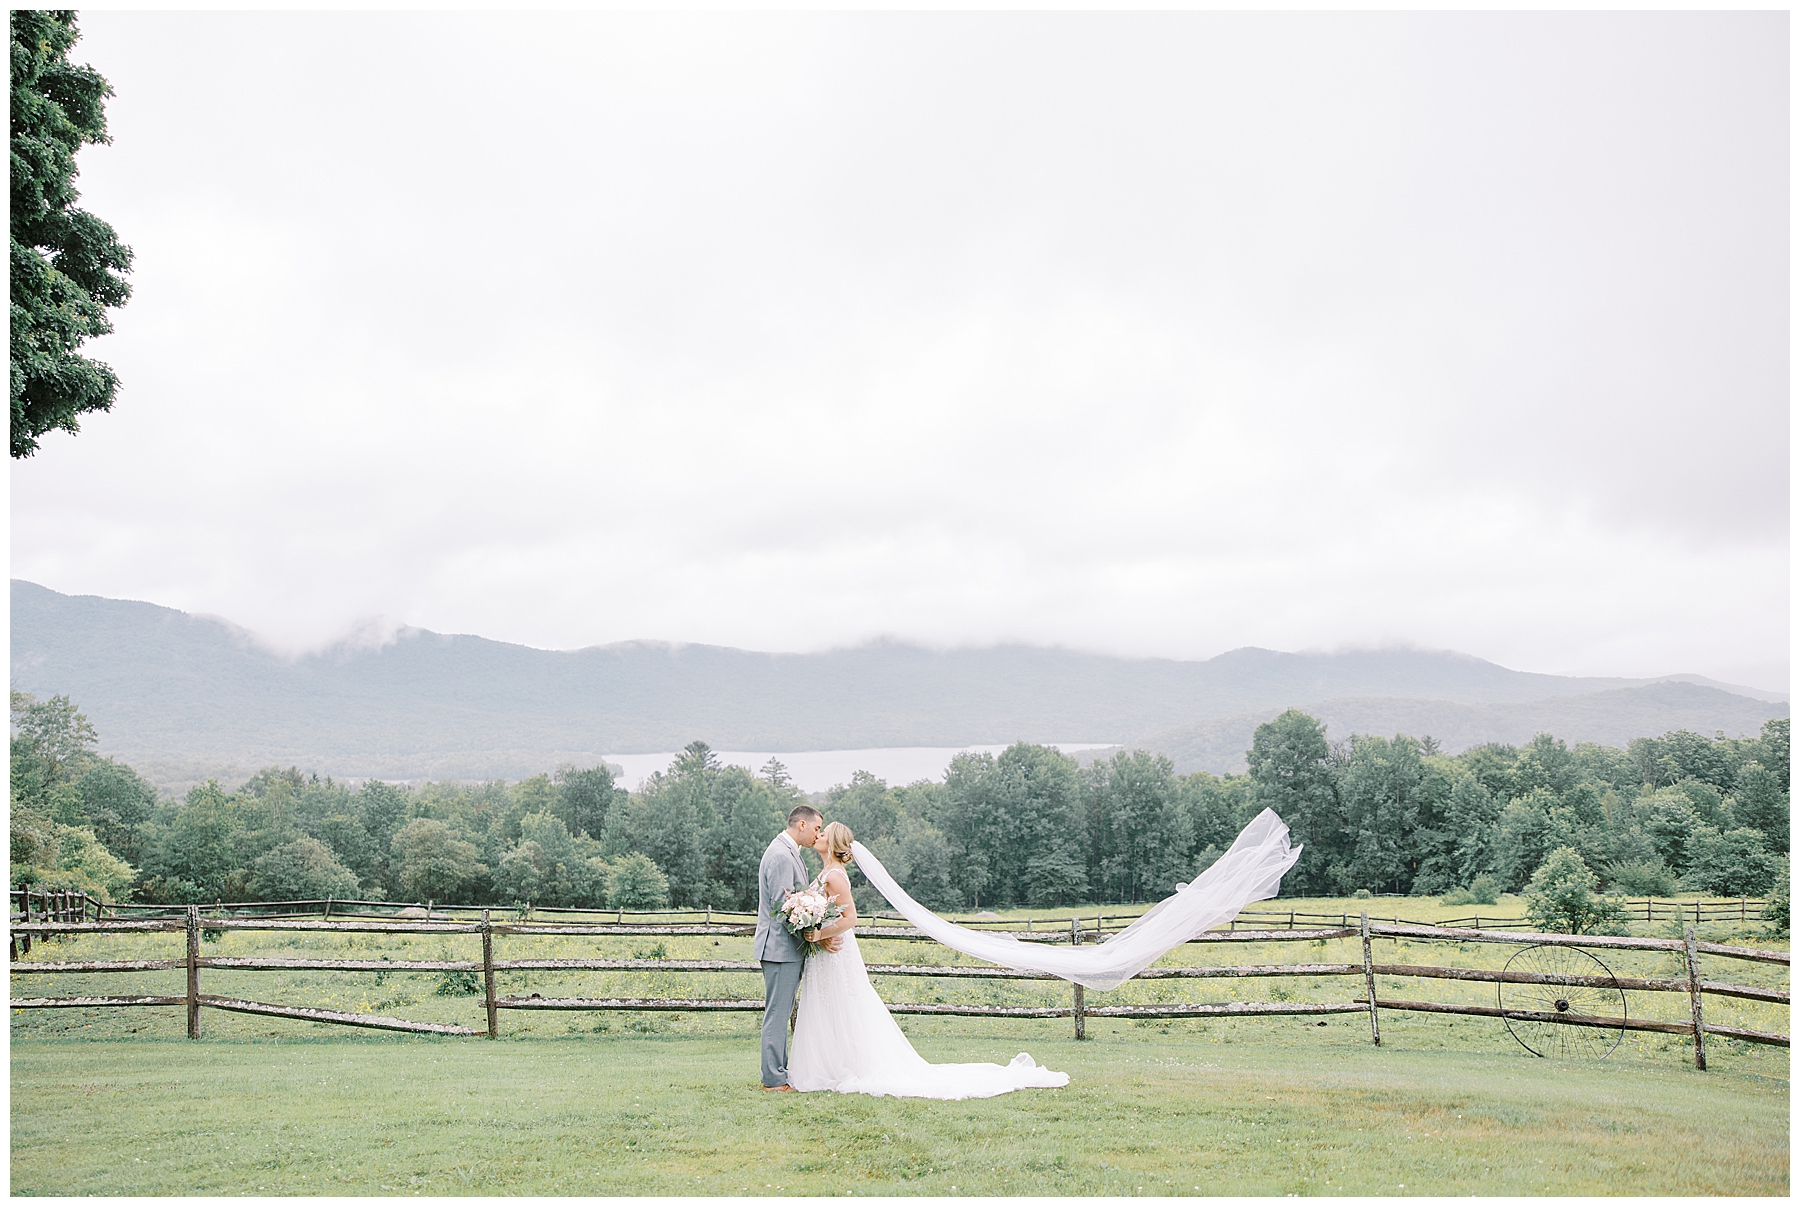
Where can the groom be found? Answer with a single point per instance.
(780, 952)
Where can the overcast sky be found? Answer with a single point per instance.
(1153, 334)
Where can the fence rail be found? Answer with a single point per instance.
(193, 923)
(1104, 917)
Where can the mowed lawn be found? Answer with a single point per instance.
(1248, 1106)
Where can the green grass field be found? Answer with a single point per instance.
(119, 1102)
(1254, 1107)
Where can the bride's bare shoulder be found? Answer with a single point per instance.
(837, 878)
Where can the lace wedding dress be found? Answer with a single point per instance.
(845, 1040)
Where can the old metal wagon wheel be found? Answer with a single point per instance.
(1579, 985)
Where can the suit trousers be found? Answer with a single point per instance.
(781, 987)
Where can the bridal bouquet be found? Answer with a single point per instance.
(807, 909)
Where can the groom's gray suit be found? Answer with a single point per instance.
(780, 953)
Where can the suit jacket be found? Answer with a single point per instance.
(782, 869)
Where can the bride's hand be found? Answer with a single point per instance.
(811, 936)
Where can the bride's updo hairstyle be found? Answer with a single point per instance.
(838, 838)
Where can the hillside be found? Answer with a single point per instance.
(1612, 718)
(169, 690)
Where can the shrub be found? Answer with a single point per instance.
(1642, 877)
(1485, 891)
(51, 855)
(634, 882)
(1560, 898)
(431, 862)
(1776, 911)
(459, 982)
(303, 870)
(1737, 863)
(1362, 894)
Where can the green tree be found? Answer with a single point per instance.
(1773, 747)
(350, 845)
(1290, 765)
(52, 855)
(1734, 863)
(1386, 807)
(196, 857)
(1522, 837)
(67, 266)
(747, 813)
(866, 805)
(1544, 762)
(1015, 817)
(1759, 801)
(1140, 834)
(431, 863)
(53, 733)
(1471, 815)
(583, 797)
(116, 801)
(303, 870)
(1681, 754)
(550, 866)
(635, 882)
(1560, 898)
(1669, 819)
(382, 809)
(670, 819)
(1217, 808)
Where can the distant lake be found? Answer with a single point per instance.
(821, 770)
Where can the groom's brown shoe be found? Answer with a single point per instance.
(782, 1088)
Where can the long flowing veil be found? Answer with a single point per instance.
(1250, 871)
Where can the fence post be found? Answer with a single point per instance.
(1080, 989)
(327, 909)
(1369, 981)
(487, 974)
(1693, 980)
(193, 971)
(25, 892)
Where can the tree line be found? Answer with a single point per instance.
(1026, 827)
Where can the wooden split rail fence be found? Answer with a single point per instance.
(1691, 985)
(52, 905)
(1106, 918)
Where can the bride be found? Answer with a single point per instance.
(845, 1039)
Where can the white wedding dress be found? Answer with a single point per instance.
(845, 1040)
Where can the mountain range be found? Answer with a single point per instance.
(177, 695)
